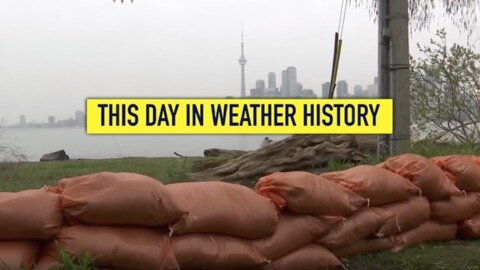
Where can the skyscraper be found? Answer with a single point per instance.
(357, 90)
(284, 86)
(260, 84)
(242, 61)
(342, 89)
(272, 80)
(325, 89)
(292, 82)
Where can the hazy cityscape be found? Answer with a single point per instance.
(77, 120)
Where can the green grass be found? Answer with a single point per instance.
(449, 255)
(31, 175)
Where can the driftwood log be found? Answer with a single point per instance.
(298, 152)
(215, 152)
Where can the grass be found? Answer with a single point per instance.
(451, 255)
(31, 175)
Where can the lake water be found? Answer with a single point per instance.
(34, 142)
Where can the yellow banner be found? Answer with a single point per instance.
(239, 116)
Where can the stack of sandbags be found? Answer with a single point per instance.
(27, 218)
(442, 194)
(120, 219)
(464, 172)
(221, 223)
(390, 196)
(312, 208)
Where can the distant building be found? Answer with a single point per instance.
(260, 84)
(308, 93)
(23, 121)
(290, 86)
(51, 120)
(299, 89)
(325, 89)
(342, 89)
(357, 90)
(292, 81)
(372, 90)
(80, 118)
(269, 92)
(272, 80)
(284, 86)
(255, 92)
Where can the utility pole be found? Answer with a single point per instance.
(394, 73)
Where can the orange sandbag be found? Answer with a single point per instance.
(47, 262)
(408, 215)
(18, 254)
(310, 257)
(309, 194)
(470, 227)
(424, 173)
(204, 251)
(378, 185)
(293, 232)
(29, 214)
(361, 224)
(223, 208)
(464, 171)
(429, 231)
(364, 246)
(456, 208)
(118, 247)
(117, 199)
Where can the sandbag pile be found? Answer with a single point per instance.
(290, 220)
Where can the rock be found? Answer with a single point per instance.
(58, 155)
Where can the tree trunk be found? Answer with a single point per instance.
(297, 152)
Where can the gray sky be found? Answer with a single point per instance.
(55, 53)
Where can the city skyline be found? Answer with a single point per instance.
(77, 120)
(176, 48)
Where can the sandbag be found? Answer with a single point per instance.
(117, 199)
(29, 214)
(424, 173)
(293, 232)
(429, 231)
(364, 246)
(204, 251)
(464, 171)
(118, 247)
(361, 224)
(18, 254)
(470, 227)
(223, 208)
(456, 208)
(408, 215)
(378, 185)
(309, 194)
(47, 262)
(310, 257)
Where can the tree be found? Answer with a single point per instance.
(463, 13)
(8, 151)
(445, 91)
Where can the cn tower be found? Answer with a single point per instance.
(242, 61)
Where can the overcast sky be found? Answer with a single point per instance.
(55, 53)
